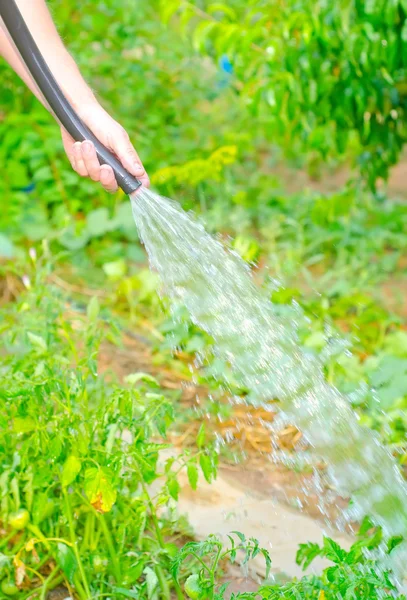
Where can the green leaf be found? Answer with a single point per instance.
(70, 470)
(240, 535)
(268, 562)
(193, 475)
(151, 580)
(37, 341)
(73, 240)
(98, 222)
(134, 378)
(200, 438)
(24, 424)
(6, 247)
(331, 573)
(223, 8)
(99, 488)
(307, 553)
(93, 309)
(173, 488)
(201, 34)
(43, 174)
(394, 542)
(333, 551)
(126, 593)
(115, 270)
(66, 560)
(206, 464)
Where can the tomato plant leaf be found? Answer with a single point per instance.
(200, 438)
(134, 378)
(70, 470)
(24, 424)
(206, 466)
(173, 488)
(99, 488)
(193, 475)
(66, 560)
(333, 551)
(93, 309)
(37, 341)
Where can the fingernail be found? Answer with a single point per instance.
(105, 171)
(87, 148)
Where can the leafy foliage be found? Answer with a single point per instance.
(80, 454)
(353, 576)
(327, 79)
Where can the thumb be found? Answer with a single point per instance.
(128, 156)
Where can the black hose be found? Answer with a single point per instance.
(53, 94)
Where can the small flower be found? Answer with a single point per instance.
(33, 254)
(26, 281)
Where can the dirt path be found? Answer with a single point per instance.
(231, 505)
(268, 501)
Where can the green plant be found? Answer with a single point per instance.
(83, 487)
(209, 556)
(326, 80)
(354, 575)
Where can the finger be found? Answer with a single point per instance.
(90, 160)
(142, 176)
(107, 178)
(129, 158)
(79, 164)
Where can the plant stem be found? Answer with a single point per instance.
(79, 589)
(6, 540)
(111, 548)
(75, 545)
(47, 583)
(165, 589)
(201, 561)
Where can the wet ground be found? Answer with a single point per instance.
(256, 511)
(268, 501)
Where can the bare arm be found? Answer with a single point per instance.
(111, 134)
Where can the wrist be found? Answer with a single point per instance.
(83, 102)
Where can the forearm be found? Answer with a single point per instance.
(62, 65)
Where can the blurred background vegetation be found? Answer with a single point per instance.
(279, 124)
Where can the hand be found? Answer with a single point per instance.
(112, 135)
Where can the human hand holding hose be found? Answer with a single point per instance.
(115, 148)
(82, 155)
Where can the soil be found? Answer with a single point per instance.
(266, 499)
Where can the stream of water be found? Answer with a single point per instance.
(264, 353)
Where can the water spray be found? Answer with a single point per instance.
(54, 96)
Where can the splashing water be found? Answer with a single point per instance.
(264, 353)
